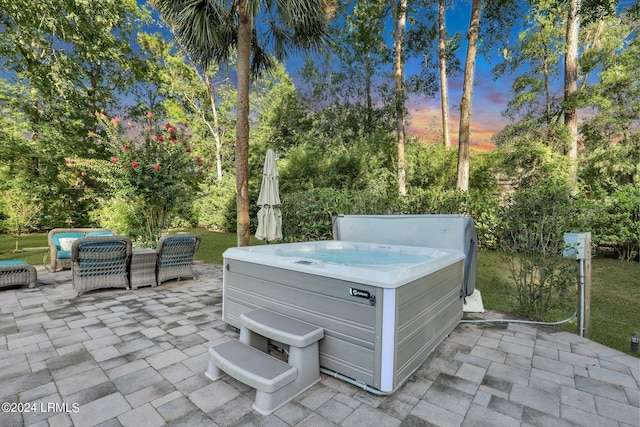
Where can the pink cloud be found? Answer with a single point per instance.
(426, 123)
(489, 101)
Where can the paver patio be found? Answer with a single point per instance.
(137, 358)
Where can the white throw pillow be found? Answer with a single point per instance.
(66, 243)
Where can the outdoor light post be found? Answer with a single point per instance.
(578, 247)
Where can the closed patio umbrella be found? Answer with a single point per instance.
(269, 216)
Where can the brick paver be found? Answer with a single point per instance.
(133, 358)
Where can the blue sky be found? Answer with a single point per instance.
(489, 98)
(489, 95)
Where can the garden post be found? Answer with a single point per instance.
(578, 247)
(585, 314)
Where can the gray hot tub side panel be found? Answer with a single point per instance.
(435, 231)
(427, 310)
(349, 343)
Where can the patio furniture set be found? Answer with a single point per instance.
(99, 258)
(17, 273)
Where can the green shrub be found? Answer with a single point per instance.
(485, 208)
(618, 224)
(606, 167)
(430, 166)
(434, 201)
(118, 214)
(307, 215)
(488, 213)
(216, 207)
(153, 168)
(533, 230)
(302, 169)
(22, 212)
(530, 161)
(363, 165)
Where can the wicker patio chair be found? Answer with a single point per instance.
(61, 254)
(17, 273)
(100, 262)
(175, 256)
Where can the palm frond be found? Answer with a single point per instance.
(261, 61)
(208, 29)
(205, 28)
(298, 25)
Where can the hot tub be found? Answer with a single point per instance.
(384, 308)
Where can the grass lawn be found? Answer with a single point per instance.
(213, 244)
(615, 285)
(615, 298)
(35, 247)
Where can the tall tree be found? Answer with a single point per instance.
(72, 56)
(444, 90)
(611, 135)
(64, 61)
(168, 83)
(571, 83)
(464, 135)
(399, 14)
(615, 97)
(428, 39)
(534, 61)
(199, 92)
(245, 30)
(211, 30)
(363, 49)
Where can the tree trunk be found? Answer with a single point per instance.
(242, 126)
(571, 84)
(367, 85)
(547, 89)
(444, 91)
(215, 129)
(464, 135)
(399, 12)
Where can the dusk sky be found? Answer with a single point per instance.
(488, 102)
(489, 97)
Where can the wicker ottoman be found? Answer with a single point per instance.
(17, 273)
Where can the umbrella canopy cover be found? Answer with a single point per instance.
(269, 216)
(269, 224)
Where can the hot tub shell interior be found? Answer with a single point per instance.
(449, 231)
(378, 330)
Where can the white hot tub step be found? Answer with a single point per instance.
(278, 327)
(275, 381)
(252, 366)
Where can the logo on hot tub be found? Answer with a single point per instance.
(359, 293)
(363, 294)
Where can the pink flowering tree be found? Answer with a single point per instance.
(152, 169)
